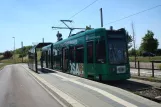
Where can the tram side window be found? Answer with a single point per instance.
(46, 58)
(57, 58)
(49, 57)
(79, 54)
(66, 54)
(53, 55)
(72, 54)
(90, 52)
(100, 52)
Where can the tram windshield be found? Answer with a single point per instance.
(117, 51)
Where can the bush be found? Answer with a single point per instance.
(22, 55)
(7, 54)
(132, 52)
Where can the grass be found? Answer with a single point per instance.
(159, 66)
(16, 59)
(12, 61)
(145, 59)
(4, 64)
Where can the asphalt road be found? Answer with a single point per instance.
(19, 89)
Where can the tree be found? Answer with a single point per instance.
(24, 51)
(7, 54)
(132, 52)
(129, 40)
(158, 52)
(88, 27)
(149, 43)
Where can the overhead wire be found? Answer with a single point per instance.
(133, 14)
(82, 10)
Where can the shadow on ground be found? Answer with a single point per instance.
(128, 85)
(45, 71)
(123, 84)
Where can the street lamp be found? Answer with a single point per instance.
(14, 48)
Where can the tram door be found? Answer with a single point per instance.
(65, 59)
(90, 60)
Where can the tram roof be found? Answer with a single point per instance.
(75, 36)
(79, 35)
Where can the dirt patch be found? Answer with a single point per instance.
(150, 93)
(143, 89)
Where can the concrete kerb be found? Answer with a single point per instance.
(59, 95)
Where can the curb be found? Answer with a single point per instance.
(60, 96)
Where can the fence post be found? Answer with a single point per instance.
(138, 68)
(152, 69)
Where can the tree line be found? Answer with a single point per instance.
(22, 52)
(148, 44)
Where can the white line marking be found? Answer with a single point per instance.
(66, 97)
(108, 95)
(49, 92)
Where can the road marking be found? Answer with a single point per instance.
(71, 101)
(108, 95)
(49, 92)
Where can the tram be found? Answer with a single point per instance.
(98, 54)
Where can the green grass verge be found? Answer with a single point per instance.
(12, 61)
(2, 65)
(145, 59)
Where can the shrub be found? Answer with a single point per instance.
(22, 55)
(7, 54)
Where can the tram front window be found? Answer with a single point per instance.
(117, 51)
(100, 52)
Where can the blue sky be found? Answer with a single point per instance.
(31, 20)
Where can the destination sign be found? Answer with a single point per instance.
(91, 37)
(116, 36)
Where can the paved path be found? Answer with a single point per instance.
(145, 65)
(18, 89)
(144, 72)
(91, 93)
